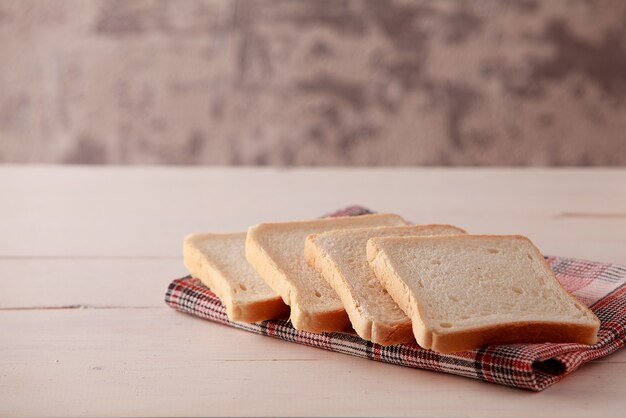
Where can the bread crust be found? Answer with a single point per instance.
(275, 277)
(260, 311)
(513, 332)
(366, 327)
(399, 292)
(201, 267)
(312, 321)
(472, 338)
(395, 220)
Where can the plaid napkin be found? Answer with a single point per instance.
(601, 286)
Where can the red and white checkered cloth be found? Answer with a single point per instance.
(601, 286)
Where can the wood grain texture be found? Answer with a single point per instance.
(79, 283)
(152, 208)
(100, 245)
(127, 362)
(341, 82)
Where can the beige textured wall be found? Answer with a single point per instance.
(313, 82)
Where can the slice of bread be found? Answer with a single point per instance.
(340, 257)
(466, 291)
(276, 251)
(219, 261)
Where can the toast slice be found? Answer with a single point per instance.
(219, 261)
(276, 251)
(466, 291)
(340, 257)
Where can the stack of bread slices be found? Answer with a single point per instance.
(391, 282)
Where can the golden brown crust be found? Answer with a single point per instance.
(398, 292)
(201, 267)
(317, 322)
(517, 332)
(366, 327)
(260, 310)
(385, 334)
(323, 321)
(468, 339)
(265, 267)
(461, 231)
(306, 222)
(580, 305)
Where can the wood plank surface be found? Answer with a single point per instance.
(155, 362)
(85, 283)
(80, 211)
(86, 254)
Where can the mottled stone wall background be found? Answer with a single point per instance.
(488, 82)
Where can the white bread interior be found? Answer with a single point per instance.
(340, 257)
(219, 261)
(276, 251)
(465, 291)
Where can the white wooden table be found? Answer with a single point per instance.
(87, 253)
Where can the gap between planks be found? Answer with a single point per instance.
(591, 215)
(90, 257)
(79, 306)
(607, 359)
